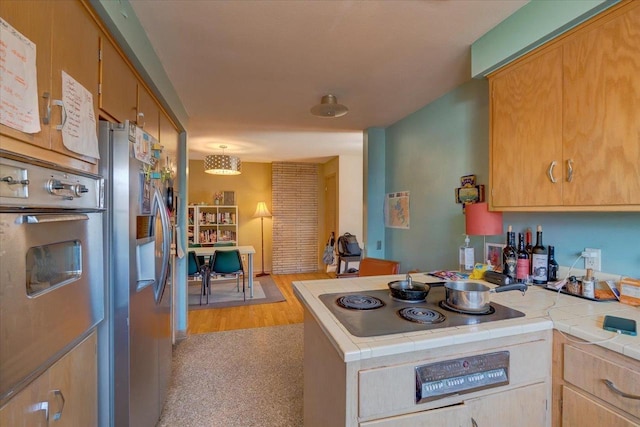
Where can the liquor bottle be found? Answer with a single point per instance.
(553, 265)
(527, 245)
(509, 255)
(539, 260)
(522, 264)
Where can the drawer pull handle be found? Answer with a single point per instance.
(550, 171)
(614, 389)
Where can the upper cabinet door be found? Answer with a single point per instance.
(148, 112)
(33, 20)
(602, 113)
(118, 84)
(526, 133)
(75, 51)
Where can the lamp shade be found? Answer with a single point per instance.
(481, 222)
(261, 211)
(329, 108)
(221, 164)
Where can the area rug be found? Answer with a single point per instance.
(224, 294)
(242, 378)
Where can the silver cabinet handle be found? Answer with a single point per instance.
(41, 406)
(59, 398)
(39, 219)
(140, 122)
(619, 392)
(569, 170)
(60, 104)
(47, 112)
(550, 171)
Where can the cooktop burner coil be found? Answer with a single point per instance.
(359, 302)
(421, 315)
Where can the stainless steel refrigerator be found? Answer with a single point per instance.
(135, 343)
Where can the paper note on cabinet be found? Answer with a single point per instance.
(18, 81)
(79, 120)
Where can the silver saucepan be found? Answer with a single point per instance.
(475, 297)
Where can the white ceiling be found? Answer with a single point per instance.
(248, 72)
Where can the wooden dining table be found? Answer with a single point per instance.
(244, 250)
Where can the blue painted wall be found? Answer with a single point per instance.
(428, 151)
(374, 153)
(426, 154)
(532, 25)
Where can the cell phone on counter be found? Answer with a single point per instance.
(620, 325)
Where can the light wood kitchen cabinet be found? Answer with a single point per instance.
(523, 407)
(148, 113)
(526, 130)
(169, 137)
(33, 19)
(118, 84)
(581, 396)
(601, 82)
(66, 393)
(565, 121)
(66, 39)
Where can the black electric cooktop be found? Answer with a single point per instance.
(377, 313)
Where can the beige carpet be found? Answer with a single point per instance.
(243, 378)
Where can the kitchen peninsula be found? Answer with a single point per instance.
(371, 380)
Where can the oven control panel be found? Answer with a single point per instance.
(464, 375)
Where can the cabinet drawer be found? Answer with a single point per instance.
(392, 389)
(589, 370)
(579, 410)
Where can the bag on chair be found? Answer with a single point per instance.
(348, 245)
(328, 256)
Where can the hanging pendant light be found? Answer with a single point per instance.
(222, 164)
(329, 108)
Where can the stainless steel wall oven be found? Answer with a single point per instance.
(51, 265)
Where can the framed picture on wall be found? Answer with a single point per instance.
(229, 198)
(494, 255)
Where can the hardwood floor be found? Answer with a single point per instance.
(255, 316)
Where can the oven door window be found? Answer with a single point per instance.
(53, 265)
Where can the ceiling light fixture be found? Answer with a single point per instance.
(222, 164)
(329, 108)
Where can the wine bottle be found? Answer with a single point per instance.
(509, 255)
(539, 260)
(522, 264)
(527, 245)
(553, 265)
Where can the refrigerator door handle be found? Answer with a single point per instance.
(166, 243)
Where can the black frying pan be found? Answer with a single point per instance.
(408, 290)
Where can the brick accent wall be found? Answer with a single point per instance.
(294, 192)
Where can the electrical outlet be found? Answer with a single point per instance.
(593, 262)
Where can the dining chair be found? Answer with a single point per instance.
(195, 271)
(228, 262)
(378, 267)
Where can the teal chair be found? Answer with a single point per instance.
(195, 271)
(219, 245)
(225, 263)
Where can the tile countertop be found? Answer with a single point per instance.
(543, 310)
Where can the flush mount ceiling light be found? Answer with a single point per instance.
(221, 164)
(329, 108)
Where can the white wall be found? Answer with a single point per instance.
(350, 199)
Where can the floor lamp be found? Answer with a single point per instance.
(262, 212)
(482, 222)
